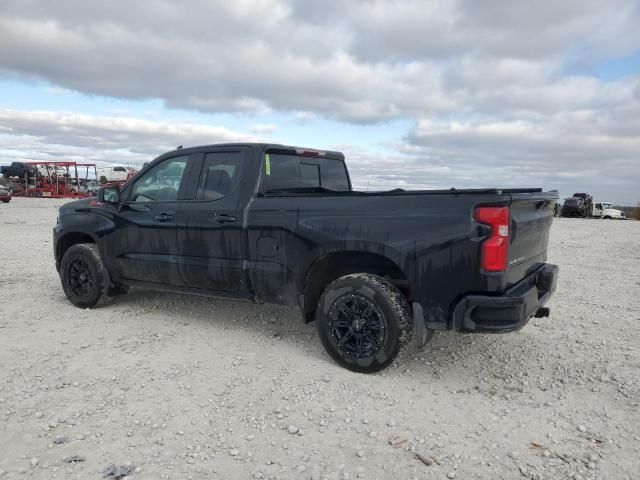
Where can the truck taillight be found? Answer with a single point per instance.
(495, 249)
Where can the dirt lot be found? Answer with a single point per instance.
(184, 387)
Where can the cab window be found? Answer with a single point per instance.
(219, 176)
(161, 183)
(293, 171)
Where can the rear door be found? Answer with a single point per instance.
(210, 227)
(144, 245)
(276, 248)
(531, 215)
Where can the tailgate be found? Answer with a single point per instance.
(531, 216)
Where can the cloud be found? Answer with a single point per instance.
(586, 150)
(596, 153)
(419, 30)
(500, 92)
(360, 61)
(46, 135)
(263, 128)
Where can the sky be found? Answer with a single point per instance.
(416, 93)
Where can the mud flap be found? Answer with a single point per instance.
(421, 334)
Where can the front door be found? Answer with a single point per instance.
(597, 210)
(210, 227)
(146, 247)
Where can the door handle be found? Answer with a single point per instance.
(224, 218)
(164, 217)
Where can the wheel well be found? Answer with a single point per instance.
(69, 240)
(335, 265)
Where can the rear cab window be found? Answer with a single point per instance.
(284, 172)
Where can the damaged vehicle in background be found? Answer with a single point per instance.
(278, 224)
(5, 194)
(575, 207)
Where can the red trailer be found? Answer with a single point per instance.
(59, 180)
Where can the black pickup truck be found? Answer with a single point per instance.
(18, 169)
(278, 224)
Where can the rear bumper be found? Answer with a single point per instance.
(509, 311)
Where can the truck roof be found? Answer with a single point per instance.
(271, 148)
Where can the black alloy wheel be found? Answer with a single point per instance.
(363, 322)
(357, 325)
(81, 278)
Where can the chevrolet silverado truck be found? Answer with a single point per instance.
(276, 224)
(18, 169)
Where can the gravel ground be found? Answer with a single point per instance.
(169, 386)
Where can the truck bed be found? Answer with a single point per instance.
(400, 191)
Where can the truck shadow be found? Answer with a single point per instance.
(447, 353)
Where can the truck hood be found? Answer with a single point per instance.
(77, 204)
(613, 212)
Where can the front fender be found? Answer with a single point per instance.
(81, 227)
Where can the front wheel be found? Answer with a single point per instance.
(363, 322)
(84, 278)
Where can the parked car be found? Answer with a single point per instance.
(18, 169)
(5, 194)
(279, 224)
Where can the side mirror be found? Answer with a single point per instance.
(109, 194)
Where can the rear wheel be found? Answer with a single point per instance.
(85, 280)
(363, 322)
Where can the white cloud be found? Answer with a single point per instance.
(499, 90)
(358, 61)
(41, 135)
(571, 151)
(263, 128)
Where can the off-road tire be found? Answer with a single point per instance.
(387, 301)
(87, 256)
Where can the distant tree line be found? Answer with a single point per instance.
(630, 212)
